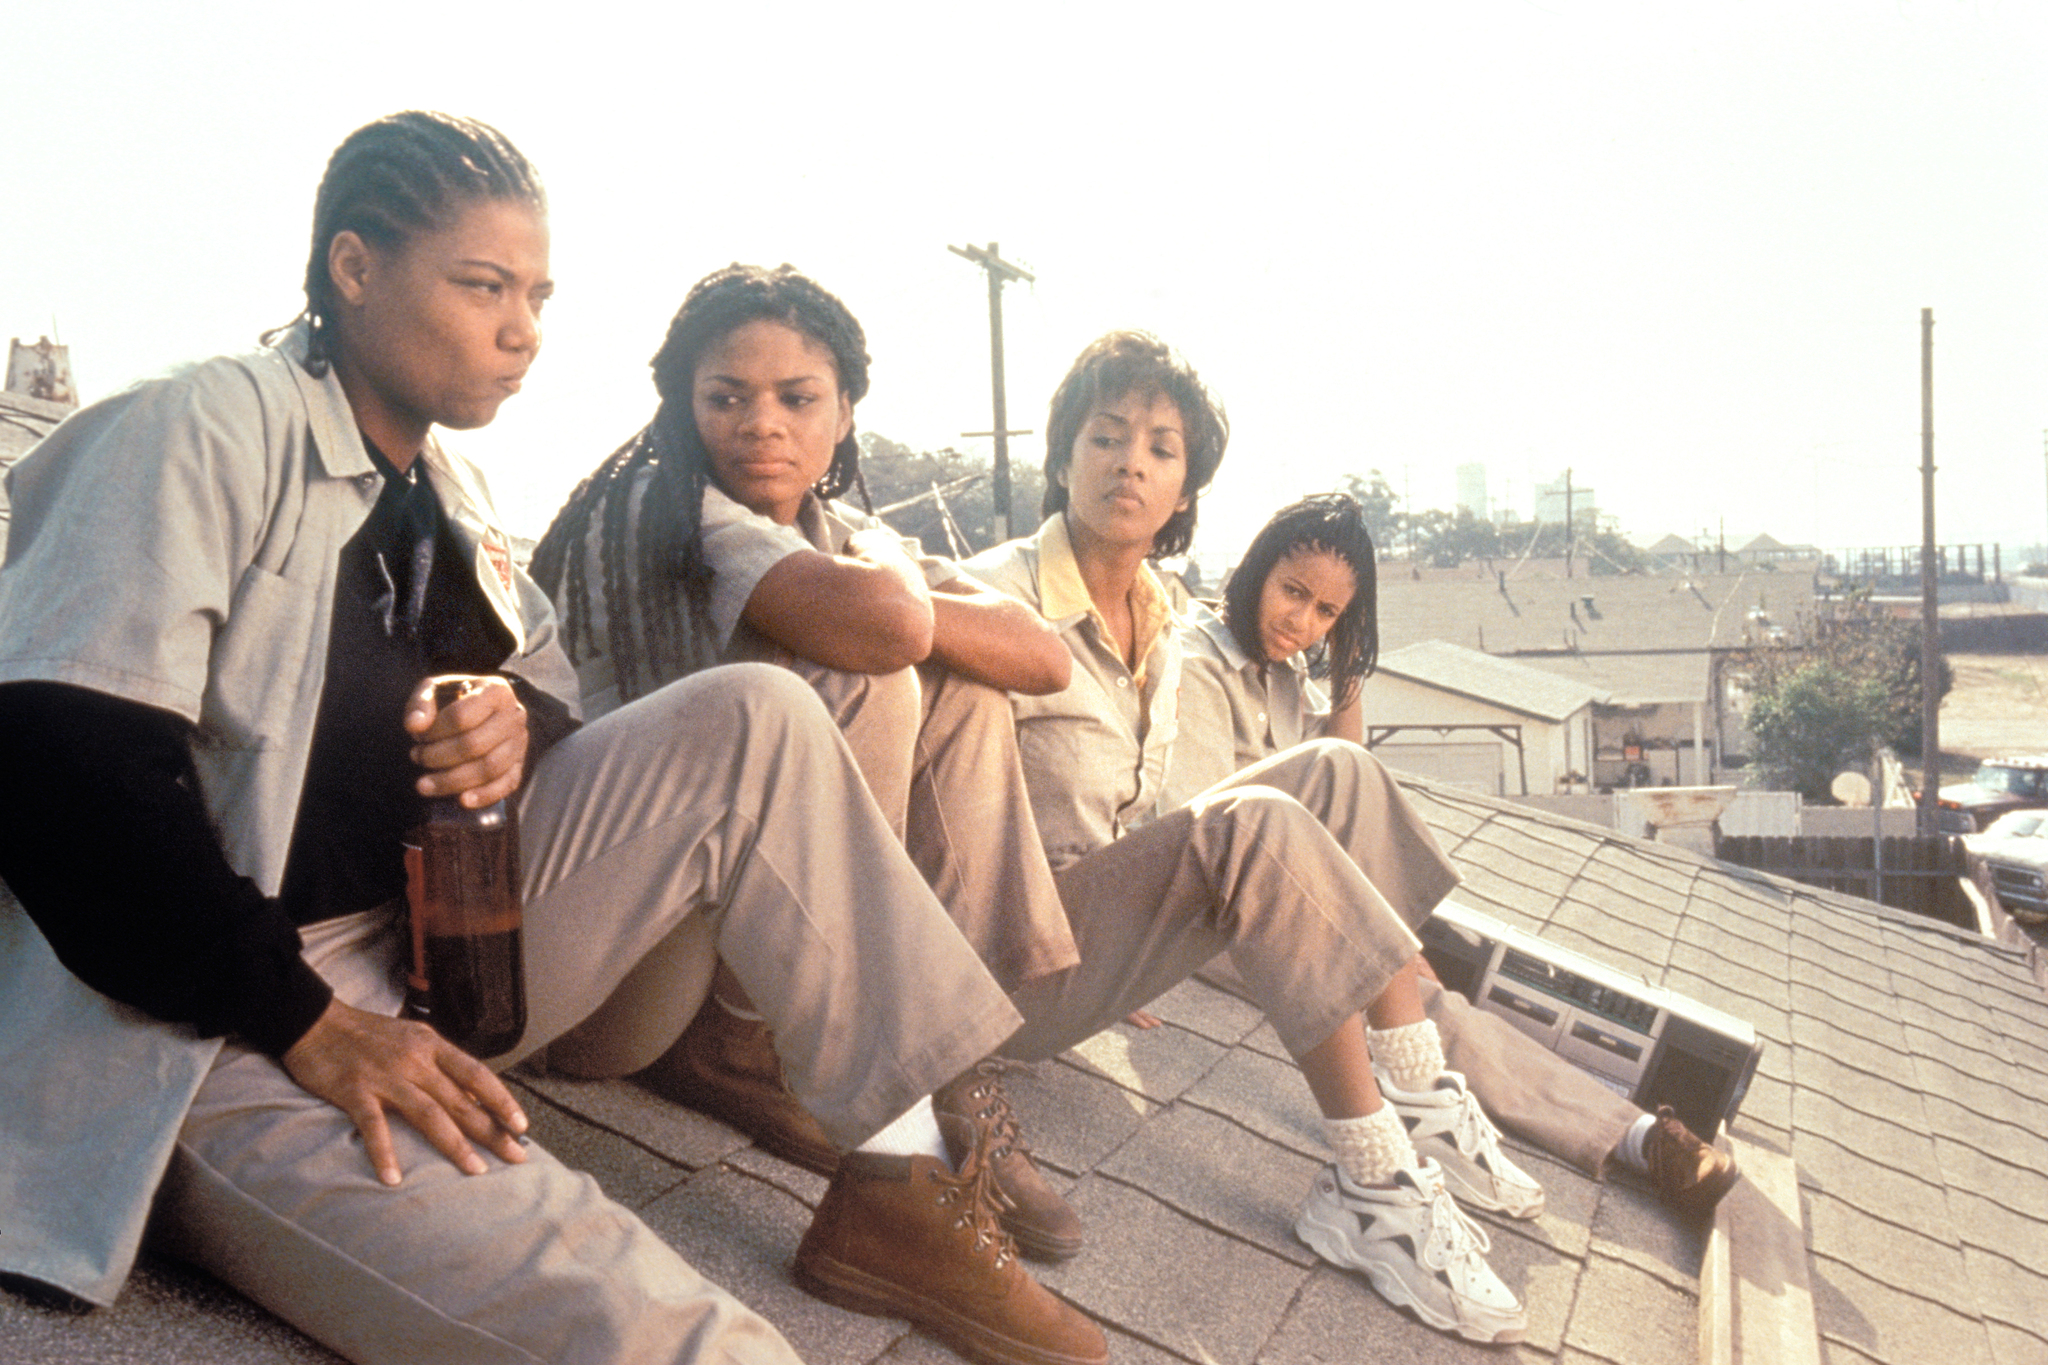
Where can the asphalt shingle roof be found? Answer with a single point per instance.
(1631, 613)
(1505, 683)
(1905, 1073)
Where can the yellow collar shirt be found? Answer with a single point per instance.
(1094, 754)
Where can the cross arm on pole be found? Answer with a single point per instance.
(988, 259)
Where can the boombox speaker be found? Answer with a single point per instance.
(1651, 1045)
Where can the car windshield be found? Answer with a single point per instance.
(2014, 781)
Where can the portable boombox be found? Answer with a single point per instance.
(1648, 1044)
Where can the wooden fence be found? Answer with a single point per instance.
(1917, 874)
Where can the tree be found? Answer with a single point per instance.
(1376, 496)
(1817, 710)
(1447, 540)
(894, 473)
(1814, 721)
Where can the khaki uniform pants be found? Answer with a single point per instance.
(939, 752)
(719, 816)
(1309, 869)
(1525, 1087)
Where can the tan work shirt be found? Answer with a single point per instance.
(1095, 753)
(1234, 709)
(176, 545)
(740, 547)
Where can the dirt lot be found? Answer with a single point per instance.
(1999, 705)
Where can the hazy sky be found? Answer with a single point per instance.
(1680, 248)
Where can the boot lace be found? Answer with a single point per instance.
(973, 1191)
(995, 1111)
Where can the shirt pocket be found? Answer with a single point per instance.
(263, 662)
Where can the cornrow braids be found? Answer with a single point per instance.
(1121, 363)
(641, 511)
(1332, 522)
(405, 174)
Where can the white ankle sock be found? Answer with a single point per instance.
(1411, 1055)
(1371, 1149)
(1630, 1148)
(914, 1132)
(750, 1016)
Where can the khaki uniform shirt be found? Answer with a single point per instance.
(1094, 754)
(1234, 710)
(176, 545)
(741, 547)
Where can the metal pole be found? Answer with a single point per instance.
(1567, 522)
(1000, 272)
(995, 361)
(1930, 616)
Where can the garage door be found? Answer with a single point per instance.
(1475, 767)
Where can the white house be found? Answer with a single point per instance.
(1488, 724)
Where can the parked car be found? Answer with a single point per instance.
(2015, 849)
(2000, 785)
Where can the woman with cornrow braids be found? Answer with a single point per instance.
(229, 598)
(714, 535)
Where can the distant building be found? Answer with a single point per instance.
(1658, 652)
(1491, 725)
(39, 395)
(1472, 490)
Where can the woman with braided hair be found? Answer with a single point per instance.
(715, 535)
(1300, 610)
(229, 596)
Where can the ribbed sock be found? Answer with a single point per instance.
(1411, 1055)
(1371, 1149)
(750, 1016)
(1630, 1148)
(914, 1132)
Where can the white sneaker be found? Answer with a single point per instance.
(1417, 1246)
(1447, 1123)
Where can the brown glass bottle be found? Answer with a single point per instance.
(462, 889)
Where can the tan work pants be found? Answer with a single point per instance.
(939, 752)
(1309, 869)
(1526, 1088)
(719, 816)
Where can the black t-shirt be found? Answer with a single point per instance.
(406, 607)
(106, 841)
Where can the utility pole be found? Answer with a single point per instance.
(1000, 272)
(1567, 521)
(1930, 616)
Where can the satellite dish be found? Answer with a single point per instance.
(1851, 789)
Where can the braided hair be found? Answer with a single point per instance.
(1331, 522)
(390, 180)
(1136, 362)
(645, 503)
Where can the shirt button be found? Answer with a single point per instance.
(1123, 682)
(1262, 717)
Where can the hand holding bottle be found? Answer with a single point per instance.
(473, 748)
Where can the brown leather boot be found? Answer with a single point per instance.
(726, 1066)
(1032, 1211)
(1688, 1175)
(905, 1237)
